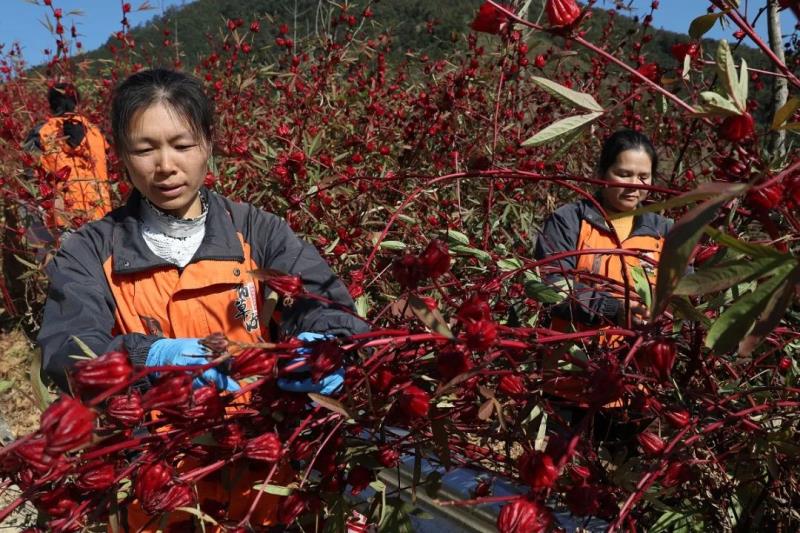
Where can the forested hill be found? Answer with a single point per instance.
(407, 20)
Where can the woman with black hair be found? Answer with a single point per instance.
(595, 282)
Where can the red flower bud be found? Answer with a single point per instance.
(58, 502)
(229, 435)
(286, 286)
(523, 516)
(205, 406)
(170, 391)
(125, 410)
(737, 127)
(480, 335)
(678, 419)
(358, 478)
(381, 380)
(537, 469)
(96, 476)
(388, 457)
(512, 385)
(291, 507)
(266, 447)
(784, 364)
(326, 356)
(414, 402)
(562, 12)
(176, 495)
(768, 198)
(104, 372)
(34, 455)
(681, 50)
(150, 479)
(489, 19)
(649, 71)
(67, 424)
(660, 356)
(651, 443)
(474, 308)
(435, 260)
(451, 363)
(253, 362)
(704, 253)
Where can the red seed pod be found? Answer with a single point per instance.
(768, 198)
(737, 128)
(266, 447)
(253, 362)
(474, 308)
(678, 419)
(358, 478)
(96, 476)
(489, 19)
(326, 356)
(286, 286)
(205, 406)
(784, 364)
(387, 456)
(483, 488)
(291, 507)
(170, 391)
(523, 516)
(681, 50)
(651, 443)
(381, 380)
(230, 435)
(58, 502)
(302, 450)
(676, 473)
(66, 424)
(104, 372)
(537, 469)
(704, 253)
(407, 271)
(480, 335)
(414, 402)
(126, 410)
(512, 385)
(150, 479)
(435, 260)
(562, 12)
(34, 455)
(649, 71)
(451, 363)
(660, 356)
(175, 495)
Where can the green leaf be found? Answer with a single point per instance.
(393, 245)
(715, 105)
(680, 242)
(362, 305)
(567, 95)
(561, 128)
(396, 517)
(277, 490)
(728, 76)
(753, 250)
(702, 24)
(456, 237)
(509, 264)
(687, 311)
(5, 385)
(785, 112)
(480, 254)
(199, 514)
(84, 347)
(738, 319)
(542, 292)
(744, 78)
(430, 317)
(331, 404)
(642, 285)
(702, 192)
(726, 275)
(772, 314)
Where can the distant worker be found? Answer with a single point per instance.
(73, 182)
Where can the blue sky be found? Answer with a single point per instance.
(21, 20)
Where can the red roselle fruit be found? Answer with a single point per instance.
(649, 71)
(681, 50)
(125, 410)
(523, 516)
(253, 362)
(266, 447)
(784, 364)
(660, 356)
(59, 502)
(474, 308)
(387, 456)
(512, 385)
(767, 198)
(285, 285)
(407, 271)
(435, 260)
(736, 128)
(651, 443)
(171, 391)
(451, 363)
(176, 495)
(358, 478)
(704, 253)
(480, 335)
(414, 402)
(678, 419)
(106, 371)
(67, 424)
(150, 479)
(537, 469)
(205, 406)
(326, 356)
(229, 435)
(562, 12)
(96, 476)
(291, 507)
(489, 19)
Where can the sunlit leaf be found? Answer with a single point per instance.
(331, 404)
(702, 24)
(772, 314)
(432, 318)
(728, 75)
(785, 112)
(567, 95)
(726, 275)
(561, 128)
(702, 192)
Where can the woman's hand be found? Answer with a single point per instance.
(189, 352)
(326, 386)
(640, 315)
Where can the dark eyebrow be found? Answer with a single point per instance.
(179, 137)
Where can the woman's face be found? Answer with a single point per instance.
(632, 167)
(167, 163)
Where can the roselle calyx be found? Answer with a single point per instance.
(435, 260)
(266, 447)
(171, 391)
(359, 478)
(253, 362)
(480, 335)
(659, 355)
(737, 128)
(651, 443)
(291, 507)
(681, 50)
(151, 478)
(512, 385)
(537, 469)
(523, 516)
(704, 253)
(474, 308)
(126, 410)
(205, 406)
(107, 371)
(489, 19)
(326, 356)
(414, 402)
(286, 286)
(175, 495)
(451, 363)
(678, 419)
(562, 12)
(58, 502)
(767, 198)
(229, 435)
(66, 424)
(96, 476)
(408, 271)
(388, 456)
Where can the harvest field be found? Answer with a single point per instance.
(423, 174)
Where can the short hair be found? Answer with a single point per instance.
(622, 140)
(62, 97)
(180, 92)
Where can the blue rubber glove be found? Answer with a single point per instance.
(188, 352)
(326, 386)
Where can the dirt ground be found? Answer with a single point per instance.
(19, 413)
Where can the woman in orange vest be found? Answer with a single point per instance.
(595, 282)
(175, 265)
